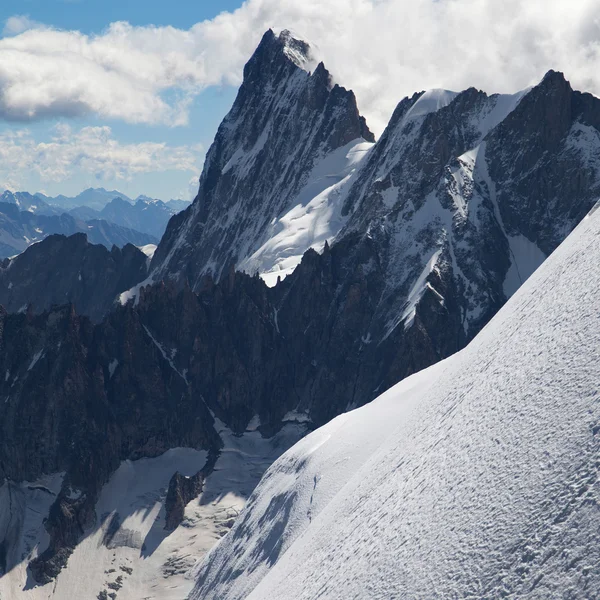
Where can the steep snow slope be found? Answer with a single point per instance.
(477, 478)
(315, 216)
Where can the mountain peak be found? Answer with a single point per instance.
(553, 75)
(273, 49)
(119, 201)
(295, 49)
(554, 82)
(289, 126)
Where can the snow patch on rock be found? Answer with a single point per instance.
(315, 216)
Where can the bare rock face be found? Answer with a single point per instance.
(79, 399)
(544, 160)
(471, 192)
(67, 522)
(182, 490)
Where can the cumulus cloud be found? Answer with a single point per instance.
(383, 49)
(89, 150)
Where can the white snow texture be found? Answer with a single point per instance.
(315, 215)
(476, 478)
(128, 547)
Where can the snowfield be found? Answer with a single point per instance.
(315, 216)
(476, 478)
(128, 551)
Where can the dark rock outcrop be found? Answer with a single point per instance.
(182, 490)
(544, 159)
(66, 523)
(466, 194)
(80, 398)
(63, 269)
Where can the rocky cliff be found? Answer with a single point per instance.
(466, 194)
(291, 135)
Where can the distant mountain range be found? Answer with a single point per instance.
(106, 217)
(20, 229)
(145, 215)
(98, 198)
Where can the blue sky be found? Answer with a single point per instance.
(91, 16)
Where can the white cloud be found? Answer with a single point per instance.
(192, 189)
(18, 24)
(387, 49)
(383, 49)
(89, 150)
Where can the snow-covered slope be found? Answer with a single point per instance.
(476, 478)
(128, 551)
(315, 216)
